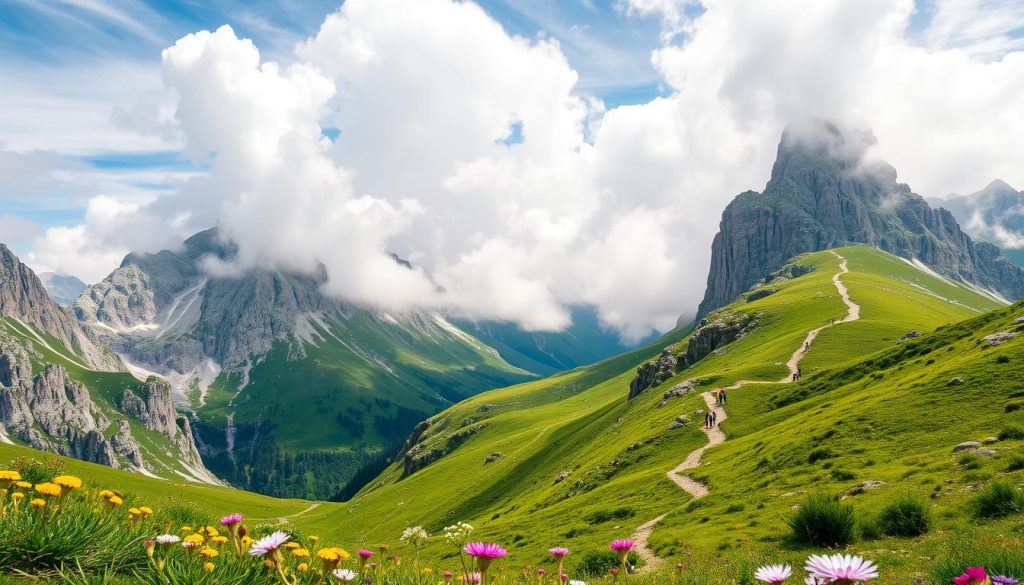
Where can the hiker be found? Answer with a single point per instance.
(799, 373)
(707, 420)
(721, 397)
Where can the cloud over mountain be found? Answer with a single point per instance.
(468, 150)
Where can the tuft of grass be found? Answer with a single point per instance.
(822, 520)
(906, 516)
(997, 500)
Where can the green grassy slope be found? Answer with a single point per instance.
(105, 389)
(617, 452)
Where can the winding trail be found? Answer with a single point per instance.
(642, 535)
(285, 519)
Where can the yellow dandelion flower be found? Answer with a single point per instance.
(134, 513)
(9, 475)
(48, 489)
(313, 539)
(333, 554)
(208, 567)
(115, 501)
(25, 485)
(209, 552)
(106, 494)
(219, 540)
(196, 538)
(186, 529)
(300, 553)
(302, 568)
(247, 540)
(38, 503)
(211, 531)
(68, 481)
(146, 510)
(17, 496)
(269, 563)
(292, 545)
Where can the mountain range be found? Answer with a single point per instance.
(995, 214)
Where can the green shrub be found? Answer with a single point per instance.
(1016, 464)
(819, 454)
(843, 475)
(1003, 359)
(600, 516)
(733, 508)
(597, 563)
(1011, 432)
(970, 461)
(906, 516)
(997, 500)
(822, 520)
(1013, 406)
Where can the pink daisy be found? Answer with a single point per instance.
(484, 550)
(971, 576)
(559, 552)
(365, 554)
(231, 520)
(774, 573)
(621, 545)
(269, 544)
(841, 569)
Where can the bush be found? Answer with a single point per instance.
(597, 563)
(1013, 406)
(843, 475)
(1003, 359)
(997, 500)
(1011, 432)
(819, 454)
(822, 520)
(970, 461)
(36, 471)
(1016, 464)
(600, 516)
(907, 516)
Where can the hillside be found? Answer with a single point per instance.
(570, 460)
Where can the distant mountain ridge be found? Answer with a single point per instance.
(994, 214)
(823, 193)
(63, 288)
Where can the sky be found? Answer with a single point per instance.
(525, 155)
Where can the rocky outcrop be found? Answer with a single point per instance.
(999, 338)
(420, 452)
(718, 330)
(824, 193)
(153, 405)
(23, 297)
(652, 373)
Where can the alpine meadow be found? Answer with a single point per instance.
(511, 292)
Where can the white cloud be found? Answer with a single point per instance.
(613, 208)
(16, 231)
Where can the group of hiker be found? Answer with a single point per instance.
(711, 417)
(798, 374)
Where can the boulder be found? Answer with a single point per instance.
(999, 338)
(493, 457)
(562, 476)
(984, 452)
(957, 381)
(681, 421)
(910, 335)
(966, 446)
(865, 486)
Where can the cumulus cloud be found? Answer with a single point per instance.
(614, 208)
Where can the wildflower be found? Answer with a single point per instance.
(185, 528)
(168, 539)
(48, 489)
(219, 540)
(106, 494)
(115, 501)
(209, 552)
(472, 578)
(559, 552)
(397, 560)
(815, 581)
(577, 582)
(1002, 580)
(383, 548)
(190, 545)
(269, 544)
(414, 535)
(774, 573)
(231, 520)
(541, 571)
(208, 566)
(146, 511)
(8, 477)
(458, 533)
(196, 538)
(134, 514)
(842, 569)
(621, 546)
(344, 574)
(314, 539)
(679, 567)
(972, 576)
(292, 545)
(23, 484)
(68, 482)
(302, 568)
(365, 554)
(563, 577)
(37, 503)
(333, 554)
(447, 575)
(247, 541)
(614, 570)
(300, 553)
(17, 496)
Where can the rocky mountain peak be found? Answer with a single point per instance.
(826, 190)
